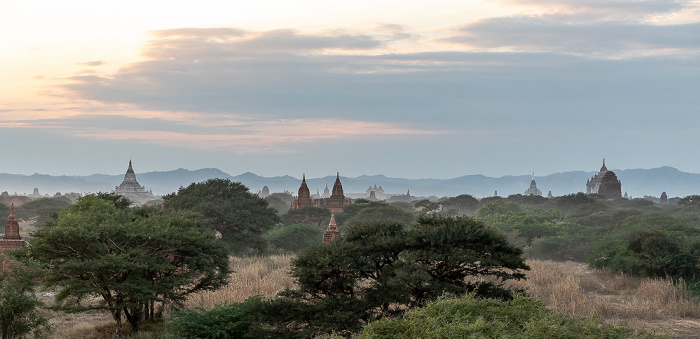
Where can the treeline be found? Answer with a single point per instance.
(391, 257)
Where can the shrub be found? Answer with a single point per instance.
(470, 317)
(294, 238)
(220, 322)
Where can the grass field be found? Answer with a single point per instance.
(657, 305)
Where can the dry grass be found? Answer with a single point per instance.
(658, 305)
(252, 276)
(654, 304)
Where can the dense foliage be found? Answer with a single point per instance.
(656, 245)
(221, 322)
(18, 302)
(379, 269)
(131, 258)
(314, 216)
(228, 208)
(471, 317)
(293, 238)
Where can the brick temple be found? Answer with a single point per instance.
(11, 240)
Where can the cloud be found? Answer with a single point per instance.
(91, 63)
(609, 7)
(225, 41)
(555, 33)
(552, 74)
(227, 135)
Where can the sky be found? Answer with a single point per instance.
(411, 89)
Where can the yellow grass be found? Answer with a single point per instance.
(252, 276)
(655, 304)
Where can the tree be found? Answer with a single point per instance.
(130, 258)
(278, 204)
(382, 268)
(377, 212)
(294, 238)
(657, 245)
(309, 215)
(18, 303)
(428, 206)
(453, 249)
(41, 206)
(463, 204)
(363, 211)
(230, 209)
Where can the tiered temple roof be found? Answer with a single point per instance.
(131, 189)
(303, 198)
(337, 201)
(332, 231)
(533, 190)
(11, 240)
(605, 183)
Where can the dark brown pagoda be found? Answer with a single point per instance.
(11, 240)
(332, 231)
(303, 198)
(610, 187)
(337, 201)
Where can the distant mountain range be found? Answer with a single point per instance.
(637, 182)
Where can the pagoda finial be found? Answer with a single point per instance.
(533, 176)
(337, 175)
(12, 209)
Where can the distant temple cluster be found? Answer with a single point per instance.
(335, 202)
(604, 183)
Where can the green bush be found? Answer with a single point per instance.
(18, 303)
(294, 238)
(656, 245)
(470, 317)
(221, 322)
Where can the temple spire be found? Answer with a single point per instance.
(332, 231)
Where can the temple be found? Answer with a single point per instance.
(337, 201)
(11, 240)
(303, 198)
(332, 231)
(605, 183)
(533, 190)
(131, 189)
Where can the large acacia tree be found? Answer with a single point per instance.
(228, 208)
(383, 268)
(133, 259)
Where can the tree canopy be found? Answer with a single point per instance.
(382, 268)
(230, 209)
(131, 258)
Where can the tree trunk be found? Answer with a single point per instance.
(117, 315)
(133, 319)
